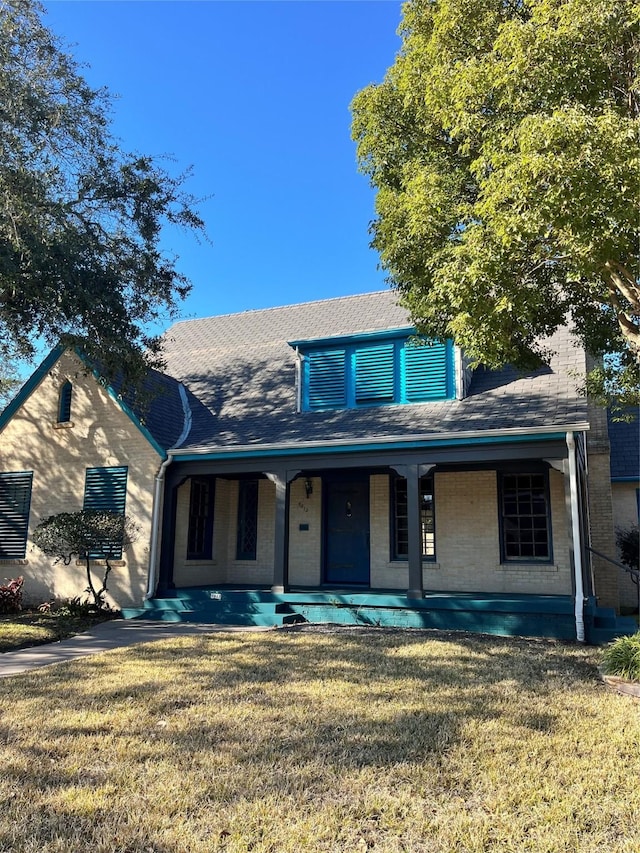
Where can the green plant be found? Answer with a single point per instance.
(628, 542)
(622, 657)
(88, 535)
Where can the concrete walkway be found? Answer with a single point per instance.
(104, 636)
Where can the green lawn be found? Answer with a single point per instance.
(303, 740)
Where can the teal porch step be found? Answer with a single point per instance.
(506, 615)
(602, 625)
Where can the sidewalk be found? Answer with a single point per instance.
(106, 635)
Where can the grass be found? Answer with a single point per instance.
(321, 741)
(32, 628)
(622, 658)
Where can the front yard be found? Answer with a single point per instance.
(321, 740)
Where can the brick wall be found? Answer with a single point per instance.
(605, 575)
(467, 540)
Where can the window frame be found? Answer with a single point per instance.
(396, 556)
(247, 515)
(65, 399)
(21, 535)
(200, 525)
(505, 557)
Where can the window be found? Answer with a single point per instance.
(15, 503)
(400, 521)
(199, 540)
(247, 534)
(372, 372)
(64, 403)
(524, 516)
(106, 489)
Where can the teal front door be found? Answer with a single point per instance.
(346, 543)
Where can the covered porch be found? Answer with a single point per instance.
(400, 533)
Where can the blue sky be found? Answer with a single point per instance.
(255, 96)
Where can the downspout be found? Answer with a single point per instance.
(158, 498)
(156, 522)
(577, 544)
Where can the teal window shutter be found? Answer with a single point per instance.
(426, 371)
(375, 374)
(105, 490)
(326, 379)
(15, 503)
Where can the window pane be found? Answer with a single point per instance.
(400, 546)
(247, 533)
(525, 525)
(199, 542)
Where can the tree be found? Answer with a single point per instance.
(87, 535)
(80, 220)
(504, 146)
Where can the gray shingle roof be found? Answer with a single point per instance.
(241, 373)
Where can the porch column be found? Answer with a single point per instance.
(412, 474)
(281, 480)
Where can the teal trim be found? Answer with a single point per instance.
(363, 447)
(365, 337)
(626, 479)
(30, 385)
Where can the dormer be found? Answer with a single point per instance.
(390, 367)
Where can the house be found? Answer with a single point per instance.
(319, 461)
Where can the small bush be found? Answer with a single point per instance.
(622, 658)
(628, 542)
(11, 596)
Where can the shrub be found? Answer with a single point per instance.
(11, 596)
(628, 542)
(88, 535)
(622, 657)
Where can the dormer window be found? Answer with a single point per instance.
(64, 403)
(375, 369)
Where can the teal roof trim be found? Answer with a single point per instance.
(310, 343)
(126, 408)
(632, 479)
(30, 385)
(363, 447)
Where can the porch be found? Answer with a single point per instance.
(550, 616)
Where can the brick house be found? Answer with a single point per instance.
(318, 461)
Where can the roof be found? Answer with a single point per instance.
(241, 375)
(624, 437)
